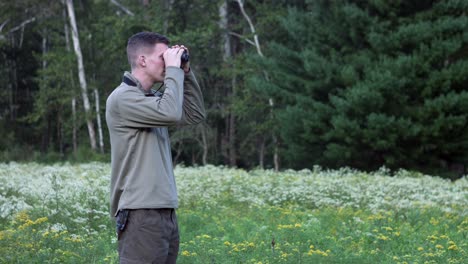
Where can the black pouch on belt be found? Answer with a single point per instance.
(121, 221)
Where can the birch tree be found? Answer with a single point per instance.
(256, 44)
(168, 8)
(227, 55)
(81, 73)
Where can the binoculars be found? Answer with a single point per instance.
(185, 57)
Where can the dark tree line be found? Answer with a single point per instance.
(286, 83)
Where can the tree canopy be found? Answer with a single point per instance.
(292, 84)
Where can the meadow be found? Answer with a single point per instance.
(59, 214)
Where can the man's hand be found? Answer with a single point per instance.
(172, 56)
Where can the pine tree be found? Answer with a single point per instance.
(371, 83)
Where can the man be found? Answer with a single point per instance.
(143, 189)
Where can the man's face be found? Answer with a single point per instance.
(155, 66)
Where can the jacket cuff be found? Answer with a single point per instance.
(174, 72)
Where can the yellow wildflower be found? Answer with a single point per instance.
(439, 246)
(185, 253)
(420, 248)
(227, 243)
(22, 216)
(320, 252)
(434, 221)
(452, 247)
(382, 237)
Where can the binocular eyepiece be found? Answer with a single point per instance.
(185, 57)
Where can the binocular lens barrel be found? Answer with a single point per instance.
(185, 57)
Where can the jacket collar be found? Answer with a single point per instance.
(130, 80)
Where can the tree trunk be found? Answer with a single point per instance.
(227, 55)
(46, 136)
(275, 139)
(178, 153)
(256, 43)
(261, 151)
(60, 133)
(98, 117)
(75, 145)
(13, 84)
(168, 8)
(224, 25)
(232, 131)
(73, 101)
(81, 74)
(205, 145)
(44, 49)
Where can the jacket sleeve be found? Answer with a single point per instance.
(138, 110)
(193, 108)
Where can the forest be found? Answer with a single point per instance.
(287, 84)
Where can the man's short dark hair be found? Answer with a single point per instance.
(143, 40)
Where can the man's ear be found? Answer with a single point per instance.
(142, 61)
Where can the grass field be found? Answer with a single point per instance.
(59, 214)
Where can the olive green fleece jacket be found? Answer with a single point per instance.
(142, 172)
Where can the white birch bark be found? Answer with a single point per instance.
(119, 5)
(81, 74)
(73, 101)
(75, 145)
(168, 8)
(223, 24)
(227, 54)
(205, 145)
(98, 117)
(256, 43)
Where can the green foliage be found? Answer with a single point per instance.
(60, 214)
(352, 83)
(367, 84)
